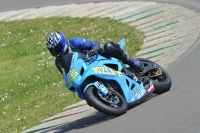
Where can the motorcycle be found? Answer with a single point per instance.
(110, 86)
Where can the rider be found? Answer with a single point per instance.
(58, 45)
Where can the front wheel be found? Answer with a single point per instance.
(113, 104)
(160, 77)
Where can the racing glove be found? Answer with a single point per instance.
(93, 52)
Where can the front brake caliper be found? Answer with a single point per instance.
(157, 72)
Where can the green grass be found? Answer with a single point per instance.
(31, 88)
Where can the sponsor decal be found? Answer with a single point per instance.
(151, 89)
(72, 74)
(137, 94)
(106, 70)
(134, 92)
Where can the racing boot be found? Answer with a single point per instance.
(134, 63)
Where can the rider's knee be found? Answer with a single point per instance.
(108, 46)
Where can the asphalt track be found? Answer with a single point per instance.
(8, 5)
(176, 111)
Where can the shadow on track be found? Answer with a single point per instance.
(91, 120)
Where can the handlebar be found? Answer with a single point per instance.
(91, 54)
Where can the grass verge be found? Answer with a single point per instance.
(31, 87)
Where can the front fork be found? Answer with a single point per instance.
(99, 86)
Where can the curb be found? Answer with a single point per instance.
(76, 105)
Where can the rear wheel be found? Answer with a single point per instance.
(160, 77)
(113, 104)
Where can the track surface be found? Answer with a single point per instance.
(176, 111)
(7, 5)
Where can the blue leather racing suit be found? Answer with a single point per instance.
(80, 45)
(109, 49)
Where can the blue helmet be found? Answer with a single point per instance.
(57, 44)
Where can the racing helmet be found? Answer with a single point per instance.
(57, 43)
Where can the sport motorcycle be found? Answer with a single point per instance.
(110, 86)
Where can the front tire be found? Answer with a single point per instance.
(99, 102)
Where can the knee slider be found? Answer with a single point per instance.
(108, 46)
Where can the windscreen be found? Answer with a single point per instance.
(65, 61)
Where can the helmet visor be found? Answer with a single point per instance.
(56, 51)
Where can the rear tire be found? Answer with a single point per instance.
(93, 98)
(161, 83)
